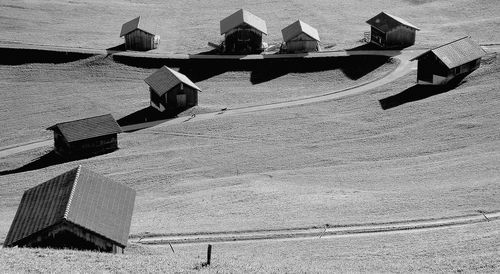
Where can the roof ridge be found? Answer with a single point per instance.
(449, 43)
(72, 121)
(66, 212)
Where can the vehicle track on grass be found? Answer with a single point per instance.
(325, 231)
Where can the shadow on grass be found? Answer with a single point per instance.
(354, 67)
(416, 93)
(115, 49)
(47, 160)
(149, 115)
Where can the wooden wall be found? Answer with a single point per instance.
(399, 37)
(140, 40)
(431, 71)
(87, 147)
(243, 40)
(172, 99)
(302, 43)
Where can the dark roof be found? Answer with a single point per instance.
(137, 23)
(385, 22)
(456, 53)
(298, 27)
(164, 79)
(78, 196)
(242, 17)
(88, 128)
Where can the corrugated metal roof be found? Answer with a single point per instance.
(298, 27)
(164, 79)
(242, 17)
(457, 53)
(137, 23)
(41, 206)
(102, 206)
(88, 128)
(385, 22)
(80, 196)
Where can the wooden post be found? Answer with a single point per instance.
(209, 254)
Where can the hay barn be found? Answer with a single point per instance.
(139, 35)
(170, 89)
(86, 137)
(242, 32)
(449, 62)
(78, 209)
(300, 37)
(389, 31)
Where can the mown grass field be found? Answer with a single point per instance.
(394, 153)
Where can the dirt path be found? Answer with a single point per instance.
(316, 232)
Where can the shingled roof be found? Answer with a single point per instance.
(298, 27)
(137, 23)
(87, 128)
(164, 79)
(242, 17)
(456, 53)
(78, 196)
(385, 22)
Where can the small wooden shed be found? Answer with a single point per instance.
(243, 32)
(447, 62)
(86, 137)
(170, 89)
(139, 35)
(300, 37)
(78, 209)
(389, 31)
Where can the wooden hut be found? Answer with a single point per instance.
(86, 137)
(445, 63)
(139, 35)
(170, 89)
(78, 209)
(300, 37)
(242, 32)
(389, 31)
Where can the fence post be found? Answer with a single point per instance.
(209, 254)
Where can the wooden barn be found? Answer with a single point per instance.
(139, 35)
(78, 209)
(300, 37)
(242, 33)
(452, 61)
(170, 89)
(389, 31)
(86, 137)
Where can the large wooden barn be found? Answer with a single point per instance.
(86, 137)
(242, 32)
(300, 37)
(172, 90)
(139, 35)
(78, 209)
(449, 62)
(389, 31)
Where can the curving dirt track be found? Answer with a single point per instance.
(315, 232)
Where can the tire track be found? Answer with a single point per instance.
(316, 232)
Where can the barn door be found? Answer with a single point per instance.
(181, 100)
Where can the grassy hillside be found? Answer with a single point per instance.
(187, 26)
(459, 249)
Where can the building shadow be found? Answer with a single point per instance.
(198, 73)
(115, 49)
(148, 115)
(49, 159)
(416, 93)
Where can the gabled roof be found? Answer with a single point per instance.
(385, 22)
(456, 53)
(137, 23)
(242, 17)
(87, 128)
(78, 196)
(164, 79)
(298, 27)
